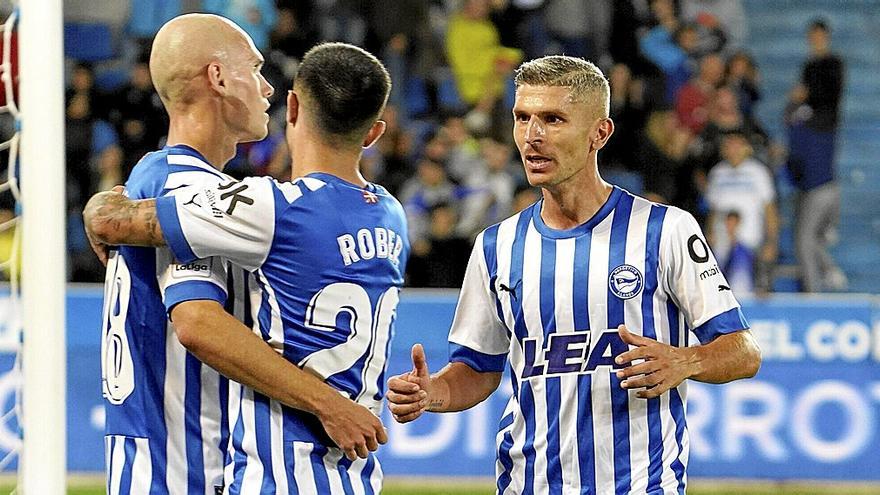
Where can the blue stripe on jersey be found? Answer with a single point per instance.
(677, 409)
(166, 212)
(192, 401)
(652, 254)
(490, 243)
(619, 396)
(729, 321)
(504, 479)
(367, 473)
(525, 397)
(159, 485)
(342, 467)
(239, 459)
(517, 252)
(223, 394)
(322, 482)
(191, 290)
(527, 404)
(674, 329)
(289, 451)
(130, 450)
(477, 360)
(263, 435)
(581, 314)
(552, 392)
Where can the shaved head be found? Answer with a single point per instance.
(185, 46)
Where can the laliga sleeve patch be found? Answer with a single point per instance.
(198, 268)
(626, 282)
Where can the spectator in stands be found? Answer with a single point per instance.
(629, 114)
(480, 64)
(667, 46)
(138, 115)
(724, 116)
(738, 261)
(145, 19)
(341, 20)
(491, 187)
(742, 184)
(256, 17)
(813, 115)
(727, 15)
(693, 99)
(661, 150)
(293, 34)
(442, 258)
(429, 188)
(405, 42)
(395, 151)
(742, 76)
(580, 29)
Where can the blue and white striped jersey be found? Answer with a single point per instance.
(549, 302)
(166, 424)
(329, 258)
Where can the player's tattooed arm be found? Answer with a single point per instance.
(111, 219)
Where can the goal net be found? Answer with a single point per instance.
(10, 242)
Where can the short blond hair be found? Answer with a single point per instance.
(582, 77)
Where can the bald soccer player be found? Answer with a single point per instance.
(167, 424)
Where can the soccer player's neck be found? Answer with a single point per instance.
(571, 204)
(318, 157)
(206, 135)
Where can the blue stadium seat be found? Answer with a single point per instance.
(88, 42)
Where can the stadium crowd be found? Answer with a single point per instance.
(684, 89)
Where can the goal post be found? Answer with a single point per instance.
(42, 463)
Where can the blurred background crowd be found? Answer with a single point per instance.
(685, 90)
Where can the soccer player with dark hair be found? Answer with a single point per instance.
(589, 295)
(328, 252)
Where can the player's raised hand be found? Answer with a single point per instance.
(408, 392)
(353, 427)
(660, 367)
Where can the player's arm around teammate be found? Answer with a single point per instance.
(216, 338)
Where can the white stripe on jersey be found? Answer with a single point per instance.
(531, 310)
(253, 471)
(600, 391)
(137, 471)
(312, 183)
(235, 391)
(276, 434)
(176, 180)
(330, 459)
(564, 314)
(115, 445)
(636, 238)
(174, 408)
(302, 468)
(191, 161)
(210, 420)
(276, 328)
(142, 470)
(291, 191)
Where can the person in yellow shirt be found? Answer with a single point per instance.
(480, 64)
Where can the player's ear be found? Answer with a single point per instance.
(600, 135)
(292, 107)
(216, 77)
(376, 131)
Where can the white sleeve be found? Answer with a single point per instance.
(234, 219)
(202, 279)
(691, 276)
(478, 337)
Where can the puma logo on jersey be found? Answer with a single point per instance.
(367, 244)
